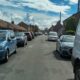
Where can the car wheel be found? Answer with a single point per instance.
(6, 56)
(57, 50)
(15, 50)
(26, 43)
(23, 44)
(61, 55)
(77, 75)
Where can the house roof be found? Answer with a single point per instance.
(23, 24)
(76, 16)
(7, 25)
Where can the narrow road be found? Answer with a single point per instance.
(37, 61)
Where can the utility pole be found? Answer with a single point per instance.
(78, 5)
(28, 20)
(60, 17)
(27, 15)
(33, 25)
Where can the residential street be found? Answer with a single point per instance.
(37, 61)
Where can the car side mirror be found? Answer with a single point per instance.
(12, 36)
(60, 40)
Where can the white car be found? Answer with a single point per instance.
(76, 54)
(52, 36)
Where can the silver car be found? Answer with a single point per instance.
(65, 45)
(52, 36)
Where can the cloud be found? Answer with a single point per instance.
(9, 14)
(45, 21)
(46, 5)
(73, 1)
(15, 9)
(42, 20)
(7, 3)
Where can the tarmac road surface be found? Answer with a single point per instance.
(37, 61)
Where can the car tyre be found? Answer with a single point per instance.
(61, 55)
(15, 51)
(26, 43)
(23, 44)
(57, 49)
(77, 74)
(6, 56)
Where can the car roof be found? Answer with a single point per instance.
(6, 30)
(52, 32)
(26, 32)
(68, 36)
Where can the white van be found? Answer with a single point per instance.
(76, 54)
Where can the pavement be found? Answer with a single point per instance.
(37, 61)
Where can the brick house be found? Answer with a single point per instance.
(30, 28)
(24, 25)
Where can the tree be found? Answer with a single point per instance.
(70, 24)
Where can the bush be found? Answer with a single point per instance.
(70, 32)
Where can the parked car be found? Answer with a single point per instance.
(40, 33)
(7, 44)
(32, 35)
(21, 38)
(29, 36)
(52, 36)
(36, 33)
(65, 45)
(76, 54)
(46, 33)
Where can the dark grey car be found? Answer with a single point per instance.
(21, 38)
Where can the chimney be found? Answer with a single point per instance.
(12, 22)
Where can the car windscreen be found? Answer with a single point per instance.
(19, 34)
(27, 34)
(54, 34)
(2, 35)
(68, 39)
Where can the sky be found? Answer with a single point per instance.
(43, 13)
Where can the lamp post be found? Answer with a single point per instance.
(78, 5)
(28, 21)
